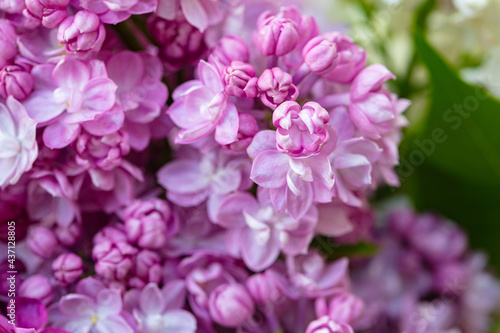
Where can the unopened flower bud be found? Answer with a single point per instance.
(37, 286)
(276, 35)
(320, 55)
(42, 242)
(230, 305)
(68, 268)
(15, 81)
(230, 48)
(147, 269)
(8, 47)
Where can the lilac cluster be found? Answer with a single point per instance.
(424, 279)
(261, 148)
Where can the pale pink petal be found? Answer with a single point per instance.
(126, 68)
(209, 74)
(113, 324)
(179, 321)
(60, 135)
(183, 176)
(151, 300)
(369, 79)
(71, 73)
(269, 169)
(226, 131)
(262, 141)
(259, 255)
(195, 13)
(106, 123)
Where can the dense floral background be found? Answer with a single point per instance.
(265, 166)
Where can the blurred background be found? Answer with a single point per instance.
(446, 56)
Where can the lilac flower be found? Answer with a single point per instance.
(68, 268)
(42, 242)
(68, 95)
(320, 55)
(82, 33)
(239, 80)
(301, 132)
(228, 49)
(181, 44)
(230, 305)
(159, 310)
(372, 107)
(16, 81)
(199, 13)
(99, 156)
(115, 11)
(93, 308)
(18, 141)
(294, 184)
(275, 87)
(52, 198)
(150, 223)
(113, 256)
(194, 177)
(147, 268)
(352, 164)
(140, 92)
(49, 12)
(276, 35)
(37, 286)
(201, 107)
(258, 232)
(352, 58)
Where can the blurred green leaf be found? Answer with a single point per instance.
(333, 250)
(452, 163)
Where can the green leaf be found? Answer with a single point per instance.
(333, 250)
(452, 164)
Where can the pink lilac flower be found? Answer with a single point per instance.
(276, 35)
(16, 81)
(39, 287)
(229, 48)
(31, 317)
(18, 141)
(140, 92)
(82, 33)
(201, 107)
(230, 305)
(115, 11)
(181, 44)
(258, 232)
(301, 131)
(294, 184)
(239, 80)
(147, 269)
(275, 86)
(160, 310)
(150, 223)
(93, 308)
(52, 198)
(42, 242)
(49, 12)
(68, 268)
(326, 325)
(66, 96)
(194, 177)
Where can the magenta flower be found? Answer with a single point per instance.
(194, 177)
(320, 55)
(49, 12)
(140, 92)
(199, 13)
(294, 183)
(66, 96)
(115, 11)
(18, 141)
(82, 33)
(42, 242)
(31, 317)
(258, 233)
(201, 107)
(228, 49)
(147, 268)
(160, 311)
(276, 35)
(37, 286)
(301, 132)
(93, 308)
